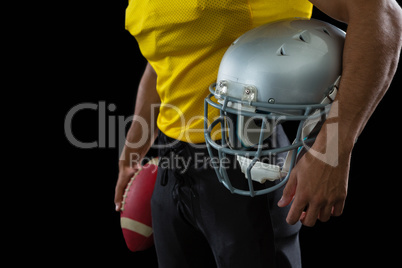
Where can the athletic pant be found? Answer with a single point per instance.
(197, 222)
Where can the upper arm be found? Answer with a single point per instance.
(148, 81)
(150, 69)
(336, 9)
(147, 93)
(345, 10)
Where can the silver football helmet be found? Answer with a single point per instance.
(278, 72)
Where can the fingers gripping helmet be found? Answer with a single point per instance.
(278, 72)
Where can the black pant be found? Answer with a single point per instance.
(197, 222)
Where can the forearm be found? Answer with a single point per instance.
(318, 185)
(140, 136)
(370, 58)
(143, 130)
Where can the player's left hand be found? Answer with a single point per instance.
(318, 190)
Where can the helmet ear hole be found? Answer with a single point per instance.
(290, 128)
(258, 122)
(251, 128)
(244, 132)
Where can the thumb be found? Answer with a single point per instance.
(289, 191)
(118, 197)
(125, 175)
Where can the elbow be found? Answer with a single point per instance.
(391, 28)
(382, 17)
(396, 24)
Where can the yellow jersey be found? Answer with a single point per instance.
(184, 41)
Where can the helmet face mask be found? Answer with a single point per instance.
(278, 72)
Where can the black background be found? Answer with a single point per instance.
(95, 60)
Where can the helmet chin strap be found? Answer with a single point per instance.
(261, 172)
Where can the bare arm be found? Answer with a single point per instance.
(140, 136)
(371, 54)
